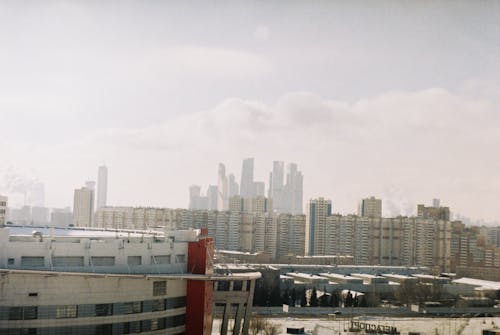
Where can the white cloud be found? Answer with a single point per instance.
(262, 33)
(406, 147)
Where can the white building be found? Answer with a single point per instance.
(370, 207)
(102, 186)
(84, 281)
(83, 206)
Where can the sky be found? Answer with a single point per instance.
(396, 99)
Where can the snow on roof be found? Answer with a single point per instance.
(484, 284)
(77, 232)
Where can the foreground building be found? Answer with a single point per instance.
(91, 281)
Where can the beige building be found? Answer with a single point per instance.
(291, 237)
(436, 213)
(370, 207)
(257, 204)
(83, 206)
(317, 213)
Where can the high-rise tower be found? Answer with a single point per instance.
(83, 205)
(317, 213)
(370, 207)
(102, 186)
(222, 189)
(247, 188)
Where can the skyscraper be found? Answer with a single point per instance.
(276, 186)
(259, 189)
(234, 188)
(222, 189)
(3, 209)
(294, 189)
(370, 208)
(212, 197)
(102, 186)
(83, 205)
(247, 188)
(317, 213)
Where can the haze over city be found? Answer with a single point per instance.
(398, 100)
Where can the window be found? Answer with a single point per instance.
(181, 258)
(165, 259)
(176, 302)
(132, 307)
(11, 261)
(158, 305)
(102, 260)
(23, 313)
(103, 309)
(157, 324)
(67, 311)
(20, 331)
(134, 260)
(62, 261)
(15, 313)
(132, 327)
(159, 288)
(32, 261)
(33, 294)
(103, 329)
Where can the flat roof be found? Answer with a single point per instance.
(206, 277)
(484, 284)
(79, 232)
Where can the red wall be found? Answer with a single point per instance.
(199, 292)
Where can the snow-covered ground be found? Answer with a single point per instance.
(427, 326)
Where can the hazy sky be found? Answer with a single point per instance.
(397, 99)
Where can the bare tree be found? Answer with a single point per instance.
(257, 324)
(271, 329)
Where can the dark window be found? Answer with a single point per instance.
(20, 331)
(132, 307)
(23, 313)
(157, 324)
(237, 285)
(33, 294)
(158, 305)
(132, 327)
(103, 329)
(159, 288)
(176, 302)
(11, 261)
(15, 313)
(103, 309)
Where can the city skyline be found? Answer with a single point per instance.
(395, 100)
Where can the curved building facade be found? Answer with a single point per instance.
(87, 281)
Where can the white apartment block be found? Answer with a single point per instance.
(83, 206)
(370, 207)
(291, 235)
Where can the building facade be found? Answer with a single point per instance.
(317, 212)
(102, 186)
(80, 281)
(83, 206)
(370, 207)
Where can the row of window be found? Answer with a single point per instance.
(75, 311)
(78, 261)
(134, 327)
